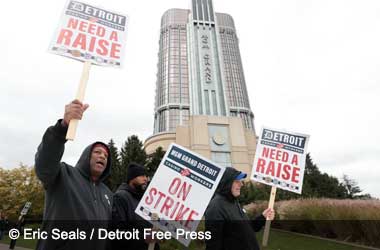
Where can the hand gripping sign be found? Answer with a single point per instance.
(92, 35)
(279, 162)
(180, 192)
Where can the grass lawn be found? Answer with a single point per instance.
(289, 241)
(277, 241)
(20, 242)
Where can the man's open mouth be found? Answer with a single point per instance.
(100, 163)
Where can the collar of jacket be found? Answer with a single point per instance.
(135, 193)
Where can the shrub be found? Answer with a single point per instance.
(356, 221)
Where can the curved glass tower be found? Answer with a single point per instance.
(199, 69)
(172, 105)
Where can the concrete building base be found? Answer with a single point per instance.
(213, 137)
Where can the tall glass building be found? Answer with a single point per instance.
(201, 96)
(199, 68)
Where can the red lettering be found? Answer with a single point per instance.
(92, 44)
(265, 152)
(73, 23)
(190, 218)
(80, 40)
(272, 153)
(183, 191)
(167, 205)
(174, 210)
(114, 36)
(65, 35)
(278, 170)
(295, 160)
(159, 198)
(260, 165)
(282, 156)
(181, 212)
(174, 186)
(270, 169)
(115, 49)
(286, 175)
(149, 198)
(103, 49)
(295, 174)
(101, 31)
(91, 29)
(82, 26)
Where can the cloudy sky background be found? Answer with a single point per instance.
(311, 67)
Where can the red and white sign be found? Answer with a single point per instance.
(180, 192)
(89, 33)
(280, 159)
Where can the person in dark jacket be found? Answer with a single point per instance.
(74, 196)
(230, 227)
(126, 199)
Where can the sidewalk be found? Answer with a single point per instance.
(6, 247)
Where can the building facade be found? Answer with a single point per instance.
(201, 89)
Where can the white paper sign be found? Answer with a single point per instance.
(180, 192)
(89, 33)
(280, 159)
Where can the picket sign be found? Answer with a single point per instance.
(279, 162)
(268, 221)
(92, 35)
(24, 211)
(80, 97)
(180, 192)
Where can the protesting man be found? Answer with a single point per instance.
(230, 227)
(126, 199)
(73, 195)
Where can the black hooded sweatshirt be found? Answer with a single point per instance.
(72, 199)
(124, 218)
(230, 227)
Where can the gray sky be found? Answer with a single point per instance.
(311, 67)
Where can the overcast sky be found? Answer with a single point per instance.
(310, 66)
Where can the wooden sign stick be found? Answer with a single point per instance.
(268, 222)
(70, 135)
(154, 217)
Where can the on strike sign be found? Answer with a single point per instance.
(180, 192)
(89, 33)
(280, 159)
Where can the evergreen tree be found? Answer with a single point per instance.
(131, 151)
(316, 184)
(154, 161)
(116, 171)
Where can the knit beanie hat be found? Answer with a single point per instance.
(134, 170)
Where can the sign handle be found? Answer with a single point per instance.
(71, 131)
(154, 217)
(268, 222)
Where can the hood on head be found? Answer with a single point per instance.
(83, 163)
(225, 184)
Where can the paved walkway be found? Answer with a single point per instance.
(6, 247)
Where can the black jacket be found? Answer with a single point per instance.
(124, 218)
(230, 227)
(72, 199)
